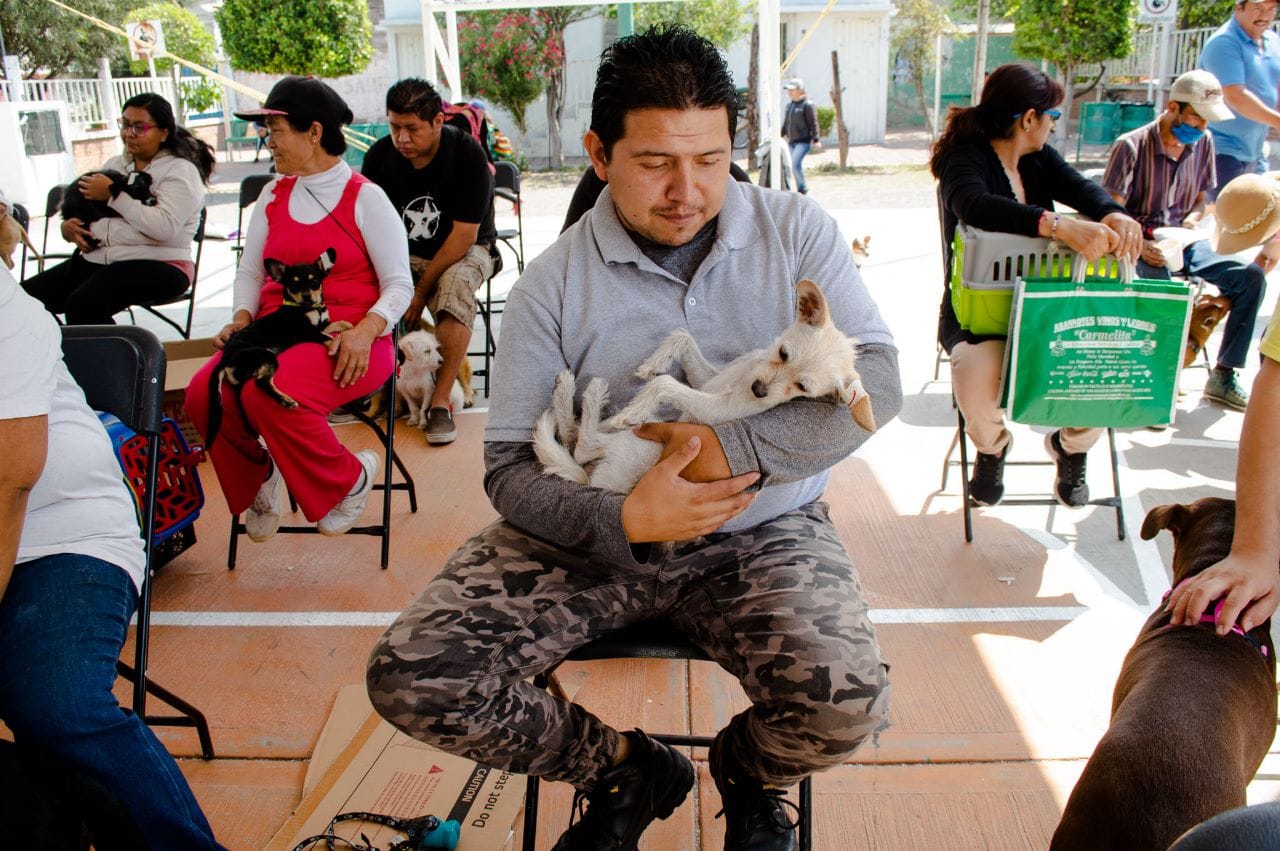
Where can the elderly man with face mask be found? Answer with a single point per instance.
(1162, 174)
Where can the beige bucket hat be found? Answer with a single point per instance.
(1247, 213)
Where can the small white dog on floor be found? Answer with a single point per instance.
(812, 359)
(417, 379)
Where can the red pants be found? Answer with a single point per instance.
(318, 470)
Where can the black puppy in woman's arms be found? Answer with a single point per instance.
(75, 205)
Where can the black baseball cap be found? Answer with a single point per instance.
(305, 98)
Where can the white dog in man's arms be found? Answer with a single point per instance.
(812, 359)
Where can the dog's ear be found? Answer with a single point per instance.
(855, 397)
(866, 240)
(326, 259)
(811, 304)
(1171, 517)
(274, 268)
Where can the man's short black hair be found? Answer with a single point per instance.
(415, 96)
(665, 67)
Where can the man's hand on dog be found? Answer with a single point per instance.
(1251, 586)
(413, 313)
(350, 350)
(74, 231)
(710, 465)
(665, 507)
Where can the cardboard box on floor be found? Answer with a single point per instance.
(362, 764)
(184, 357)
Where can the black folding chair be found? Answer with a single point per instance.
(386, 436)
(652, 640)
(250, 188)
(52, 207)
(506, 185)
(121, 369)
(961, 439)
(23, 218)
(190, 295)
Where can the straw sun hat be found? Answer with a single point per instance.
(1247, 213)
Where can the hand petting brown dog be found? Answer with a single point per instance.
(1192, 716)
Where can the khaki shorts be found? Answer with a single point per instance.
(456, 290)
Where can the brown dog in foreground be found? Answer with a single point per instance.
(1192, 716)
(1209, 310)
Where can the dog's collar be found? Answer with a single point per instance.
(287, 303)
(1212, 620)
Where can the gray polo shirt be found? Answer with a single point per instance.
(595, 304)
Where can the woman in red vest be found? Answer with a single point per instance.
(319, 203)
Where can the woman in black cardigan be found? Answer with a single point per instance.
(995, 173)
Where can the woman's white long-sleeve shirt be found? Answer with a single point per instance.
(379, 224)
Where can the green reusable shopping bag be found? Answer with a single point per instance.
(1097, 351)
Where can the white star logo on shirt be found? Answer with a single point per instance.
(421, 218)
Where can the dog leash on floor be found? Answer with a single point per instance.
(420, 834)
(1212, 618)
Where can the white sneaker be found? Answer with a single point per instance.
(345, 514)
(262, 519)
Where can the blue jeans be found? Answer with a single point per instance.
(798, 152)
(1229, 168)
(63, 621)
(1243, 283)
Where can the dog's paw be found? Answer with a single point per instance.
(665, 355)
(334, 328)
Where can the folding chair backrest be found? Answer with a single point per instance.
(507, 176)
(52, 207)
(121, 369)
(23, 218)
(250, 188)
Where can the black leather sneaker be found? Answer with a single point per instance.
(754, 818)
(649, 784)
(987, 485)
(1069, 485)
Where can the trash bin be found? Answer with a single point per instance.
(1134, 115)
(948, 101)
(1099, 124)
(353, 156)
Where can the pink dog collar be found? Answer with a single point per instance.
(1212, 619)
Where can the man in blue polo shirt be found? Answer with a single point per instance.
(1161, 173)
(1244, 54)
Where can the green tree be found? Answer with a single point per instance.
(50, 40)
(503, 60)
(721, 22)
(914, 38)
(184, 36)
(1193, 14)
(332, 38)
(1070, 33)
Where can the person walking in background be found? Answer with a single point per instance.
(1244, 54)
(800, 129)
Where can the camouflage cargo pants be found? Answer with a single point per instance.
(779, 606)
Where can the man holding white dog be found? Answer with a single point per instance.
(439, 179)
(725, 538)
(1161, 173)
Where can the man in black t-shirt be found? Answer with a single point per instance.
(439, 179)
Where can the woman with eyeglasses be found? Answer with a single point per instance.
(144, 254)
(996, 172)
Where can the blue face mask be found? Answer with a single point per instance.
(1186, 134)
